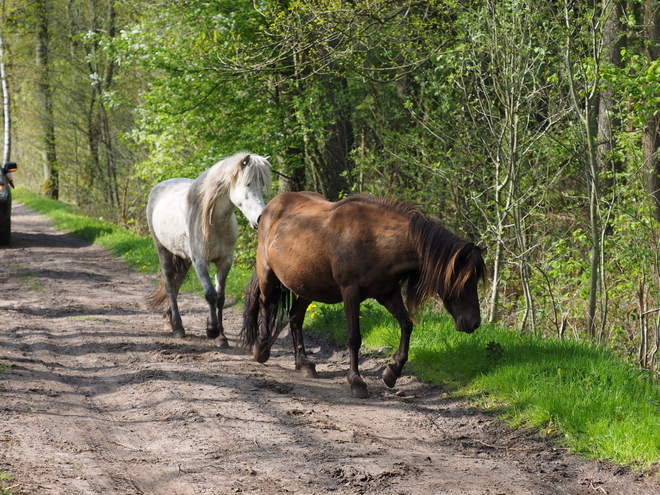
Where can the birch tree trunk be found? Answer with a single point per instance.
(6, 109)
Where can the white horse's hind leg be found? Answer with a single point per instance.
(174, 271)
(222, 270)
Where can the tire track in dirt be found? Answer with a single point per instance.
(100, 400)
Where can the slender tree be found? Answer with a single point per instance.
(507, 94)
(51, 184)
(651, 128)
(6, 100)
(90, 25)
(609, 123)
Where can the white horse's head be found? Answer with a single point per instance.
(242, 177)
(247, 191)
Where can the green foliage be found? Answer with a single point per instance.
(197, 110)
(637, 83)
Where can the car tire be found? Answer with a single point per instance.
(5, 232)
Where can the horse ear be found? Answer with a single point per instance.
(466, 250)
(245, 161)
(470, 247)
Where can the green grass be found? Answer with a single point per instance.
(577, 394)
(26, 276)
(4, 478)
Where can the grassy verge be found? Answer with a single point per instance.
(575, 393)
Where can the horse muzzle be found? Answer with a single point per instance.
(467, 327)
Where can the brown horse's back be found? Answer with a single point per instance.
(317, 248)
(361, 247)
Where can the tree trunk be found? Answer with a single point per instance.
(330, 159)
(494, 300)
(582, 98)
(5, 102)
(651, 130)
(608, 122)
(51, 176)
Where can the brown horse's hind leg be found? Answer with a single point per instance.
(352, 309)
(393, 302)
(307, 367)
(269, 301)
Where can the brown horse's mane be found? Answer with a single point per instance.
(447, 262)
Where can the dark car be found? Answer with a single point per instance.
(5, 202)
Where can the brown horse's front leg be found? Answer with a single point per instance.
(307, 367)
(393, 302)
(352, 310)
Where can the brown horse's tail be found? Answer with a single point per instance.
(158, 298)
(275, 319)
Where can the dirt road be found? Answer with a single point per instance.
(96, 398)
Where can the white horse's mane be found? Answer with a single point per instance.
(239, 169)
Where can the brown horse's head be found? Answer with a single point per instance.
(450, 268)
(459, 291)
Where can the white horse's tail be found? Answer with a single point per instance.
(159, 298)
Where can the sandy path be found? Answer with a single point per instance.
(98, 399)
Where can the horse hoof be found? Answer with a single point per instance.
(223, 343)
(389, 377)
(359, 391)
(309, 371)
(213, 332)
(179, 334)
(261, 356)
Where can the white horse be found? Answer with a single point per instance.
(192, 222)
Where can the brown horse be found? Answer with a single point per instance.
(358, 248)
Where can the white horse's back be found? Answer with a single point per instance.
(168, 205)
